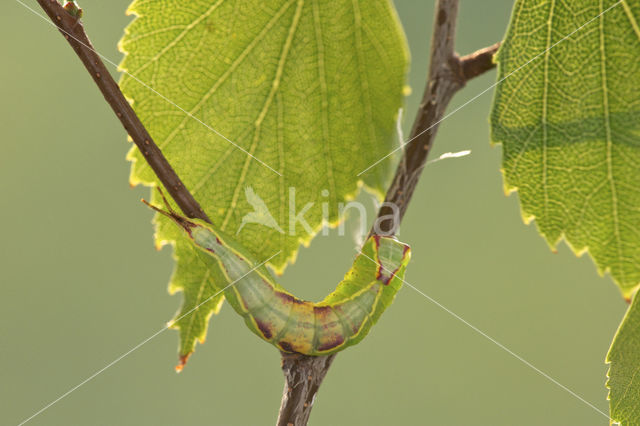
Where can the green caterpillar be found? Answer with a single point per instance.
(341, 320)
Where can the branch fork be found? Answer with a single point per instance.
(448, 73)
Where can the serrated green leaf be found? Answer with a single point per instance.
(202, 297)
(624, 371)
(568, 116)
(311, 89)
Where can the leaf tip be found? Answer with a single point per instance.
(182, 362)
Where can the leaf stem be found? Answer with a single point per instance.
(72, 29)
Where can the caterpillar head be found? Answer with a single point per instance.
(180, 220)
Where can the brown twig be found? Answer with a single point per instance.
(478, 62)
(447, 74)
(73, 30)
(303, 376)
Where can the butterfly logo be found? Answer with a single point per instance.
(260, 214)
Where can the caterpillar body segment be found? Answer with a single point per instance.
(291, 324)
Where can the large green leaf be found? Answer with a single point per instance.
(305, 94)
(624, 372)
(569, 121)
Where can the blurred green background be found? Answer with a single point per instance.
(82, 283)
